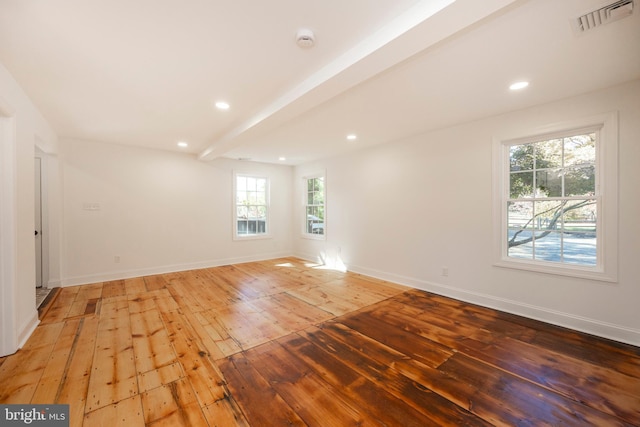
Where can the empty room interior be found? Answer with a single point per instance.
(394, 213)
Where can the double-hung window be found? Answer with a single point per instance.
(556, 213)
(552, 207)
(314, 207)
(251, 217)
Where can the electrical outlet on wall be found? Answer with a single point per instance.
(116, 259)
(445, 271)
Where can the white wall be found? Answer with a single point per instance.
(158, 211)
(401, 211)
(22, 126)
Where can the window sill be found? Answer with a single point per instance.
(242, 237)
(314, 236)
(564, 270)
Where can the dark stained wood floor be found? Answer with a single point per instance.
(283, 343)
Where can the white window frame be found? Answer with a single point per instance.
(267, 234)
(305, 184)
(606, 126)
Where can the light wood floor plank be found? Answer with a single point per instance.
(127, 412)
(61, 305)
(151, 345)
(75, 384)
(206, 380)
(51, 378)
(113, 377)
(20, 376)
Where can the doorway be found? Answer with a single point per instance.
(38, 219)
(41, 238)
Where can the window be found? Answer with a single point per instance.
(552, 205)
(251, 206)
(314, 197)
(557, 202)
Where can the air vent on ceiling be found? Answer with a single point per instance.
(609, 13)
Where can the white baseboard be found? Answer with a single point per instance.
(128, 274)
(25, 330)
(53, 284)
(590, 326)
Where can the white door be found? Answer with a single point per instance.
(38, 220)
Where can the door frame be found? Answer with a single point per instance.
(38, 221)
(8, 225)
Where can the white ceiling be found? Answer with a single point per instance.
(147, 72)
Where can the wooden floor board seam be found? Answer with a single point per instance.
(65, 372)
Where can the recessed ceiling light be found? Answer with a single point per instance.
(352, 137)
(221, 105)
(519, 85)
(282, 159)
(182, 144)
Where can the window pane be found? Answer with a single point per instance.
(548, 215)
(310, 198)
(580, 248)
(520, 215)
(580, 226)
(242, 212)
(548, 154)
(251, 184)
(580, 149)
(261, 184)
(241, 183)
(521, 157)
(580, 181)
(548, 247)
(521, 185)
(252, 197)
(520, 244)
(311, 217)
(243, 227)
(241, 197)
(318, 198)
(580, 216)
(549, 183)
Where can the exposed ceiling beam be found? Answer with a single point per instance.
(420, 27)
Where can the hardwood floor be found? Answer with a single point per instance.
(282, 343)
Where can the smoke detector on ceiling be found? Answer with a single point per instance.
(305, 38)
(610, 12)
